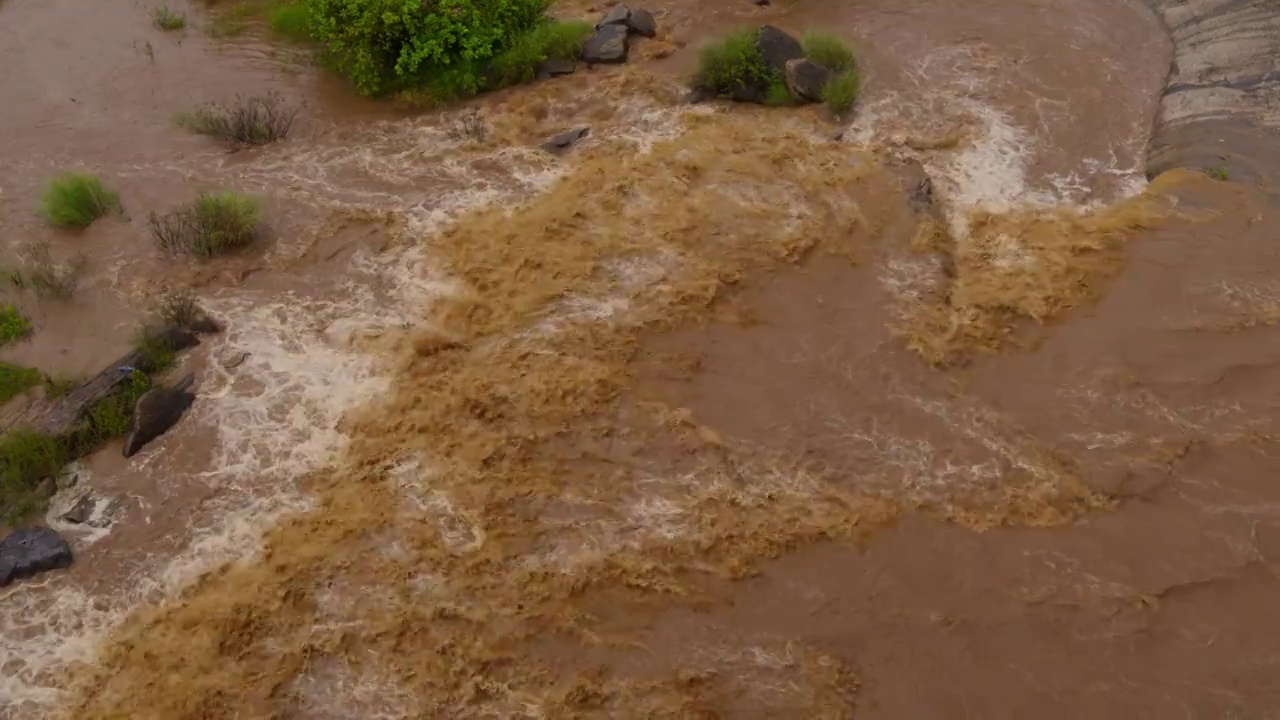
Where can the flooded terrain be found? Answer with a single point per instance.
(942, 410)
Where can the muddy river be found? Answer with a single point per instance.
(719, 415)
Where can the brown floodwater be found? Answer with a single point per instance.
(642, 431)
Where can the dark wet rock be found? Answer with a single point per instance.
(565, 140)
(205, 325)
(28, 551)
(553, 68)
(762, 3)
(608, 45)
(641, 22)
(46, 488)
(156, 411)
(805, 79)
(174, 338)
(700, 95)
(617, 15)
(777, 47)
(81, 511)
(750, 93)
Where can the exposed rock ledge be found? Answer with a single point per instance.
(1221, 104)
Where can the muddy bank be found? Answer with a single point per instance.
(1219, 108)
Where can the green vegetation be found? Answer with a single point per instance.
(440, 51)
(252, 120)
(841, 92)
(777, 94)
(291, 20)
(49, 279)
(158, 352)
(13, 325)
(215, 224)
(733, 62)
(828, 51)
(76, 200)
(179, 308)
(167, 19)
(1219, 173)
(15, 380)
(57, 387)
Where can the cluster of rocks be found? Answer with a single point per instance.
(784, 56)
(610, 41)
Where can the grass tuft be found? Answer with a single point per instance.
(50, 279)
(215, 224)
(26, 458)
(828, 51)
(166, 19)
(732, 62)
(841, 92)
(777, 94)
(552, 40)
(252, 120)
(1219, 173)
(291, 20)
(16, 379)
(75, 200)
(13, 325)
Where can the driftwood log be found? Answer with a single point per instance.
(59, 416)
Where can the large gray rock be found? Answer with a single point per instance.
(28, 551)
(156, 411)
(617, 15)
(805, 79)
(608, 45)
(1221, 104)
(565, 140)
(641, 22)
(553, 68)
(776, 48)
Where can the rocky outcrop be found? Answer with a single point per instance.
(565, 140)
(805, 79)
(637, 22)
(608, 45)
(28, 551)
(156, 411)
(1221, 104)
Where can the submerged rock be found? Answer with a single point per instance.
(607, 46)
(565, 140)
(805, 79)
(552, 68)
(81, 511)
(777, 47)
(28, 551)
(156, 411)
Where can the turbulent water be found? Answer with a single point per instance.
(702, 419)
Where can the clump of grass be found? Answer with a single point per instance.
(777, 94)
(76, 200)
(16, 379)
(731, 63)
(828, 51)
(179, 308)
(1219, 173)
(291, 20)
(57, 387)
(167, 19)
(48, 278)
(13, 325)
(215, 224)
(156, 349)
(26, 458)
(551, 40)
(841, 92)
(251, 120)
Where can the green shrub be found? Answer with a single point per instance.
(13, 325)
(26, 458)
(15, 380)
(77, 199)
(215, 224)
(551, 40)
(828, 50)
(841, 92)
(251, 120)
(291, 20)
(731, 63)
(388, 45)
(777, 94)
(167, 19)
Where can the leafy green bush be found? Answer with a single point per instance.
(731, 63)
(292, 20)
(841, 92)
(215, 224)
(77, 199)
(444, 45)
(13, 325)
(828, 51)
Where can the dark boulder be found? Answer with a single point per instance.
(156, 411)
(806, 79)
(776, 48)
(28, 551)
(607, 46)
(641, 22)
(617, 15)
(81, 511)
(565, 140)
(552, 68)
